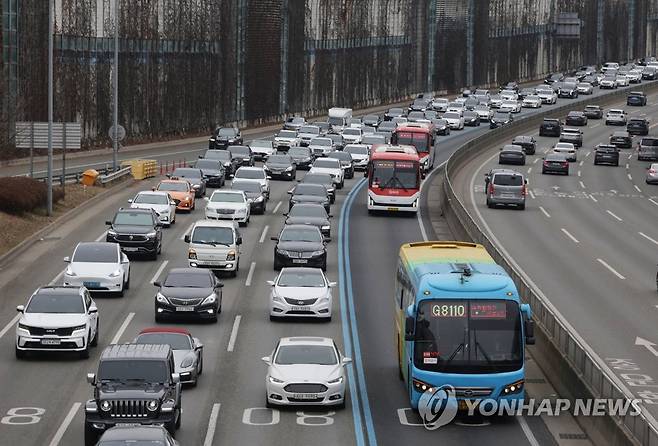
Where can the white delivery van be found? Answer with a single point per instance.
(339, 117)
(215, 244)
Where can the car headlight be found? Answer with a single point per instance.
(111, 232)
(241, 211)
(283, 252)
(168, 406)
(187, 362)
(70, 272)
(210, 299)
(259, 199)
(317, 253)
(336, 381)
(191, 254)
(326, 227)
(152, 234)
(276, 297)
(116, 273)
(515, 387)
(160, 298)
(152, 405)
(227, 164)
(79, 327)
(187, 199)
(275, 380)
(24, 327)
(212, 139)
(288, 169)
(230, 256)
(105, 406)
(421, 386)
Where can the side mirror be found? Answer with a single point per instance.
(130, 201)
(267, 360)
(276, 239)
(159, 224)
(198, 345)
(187, 238)
(269, 177)
(285, 214)
(409, 328)
(289, 192)
(67, 259)
(529, 326)
(200, 157)
(93, 309)
(333, 284)
(238, 241)
(346, 360)
(330, 216)
(108, 222)
(270, 283)
(327, 239)
(158, 284)
(91, 378)
(206, 198)
(20, 308)
(219, 285)
(172, 202)
(249, 200)
(175, 378)
(365, 174)
(168, 175)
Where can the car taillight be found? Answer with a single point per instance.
(652, 171)
(491, 188)
(524, 191)
(546, 163)
(565, 164)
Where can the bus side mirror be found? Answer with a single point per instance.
(409, 329)
(529, 326)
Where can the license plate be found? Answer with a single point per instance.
(393, 209)
(299, 261)
(128, 424)
(187, 308)
(92, 284)
(305, 396)
(51, 341)
(295, 308)
(507, 196)
(130, 249)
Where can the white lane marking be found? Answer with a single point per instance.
(532, 195)
(610, 268)
(527, 431)
(234, 333)
(10, 325)
(251, 274)
(579, 173)
(163, 265)
(276, 208)
(587, 154)
(627, 165)
(593, 199)
(65, 424)
(529, 170)
(264, 233)
(637, 188)
(57, 277)
(648, 238)
(630, 156)
(535, 161)
(541, 208)
(653, 125)
(596, 125)
(653, 201)
(187, 231)
(629, 176)
(101, 237)
(613, 215)
(568, 234)
(581, 163)
(582, 184)
(119, 333)
(212, 424)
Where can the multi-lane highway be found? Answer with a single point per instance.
(42, 404)
(589, 242)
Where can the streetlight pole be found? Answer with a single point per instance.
(115, 140)
(51, 31)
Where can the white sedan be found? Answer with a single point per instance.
(306, 371)
(332, 167)
(301, 292)
(352, 135)
(161, 202)
(567, 149)
(229, 205)
(532, 101)
(512, 106)
(98, 266)
(57, 318)
(455, 120)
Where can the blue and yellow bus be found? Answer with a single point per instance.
(459, 323)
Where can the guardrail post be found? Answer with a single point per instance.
(32, 149)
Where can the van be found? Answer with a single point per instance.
(339, 117)
(214, 244)
(506, 187)
(647, 149)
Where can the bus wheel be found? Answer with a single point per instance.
(400, 361)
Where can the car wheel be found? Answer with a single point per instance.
(267, 403)
(158, 317)
(171, 426)
(91, 436)
(20, 354)
(94, 343)
(522, 207)
(127, 284)
(324, 265)
(200, 371)
(277, 265)
(84, 354)
(123, 290)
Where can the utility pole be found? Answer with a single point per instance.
(51, 31)
(115, 80)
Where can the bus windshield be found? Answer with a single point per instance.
(421, 141)
(468, 336)
(390, 174)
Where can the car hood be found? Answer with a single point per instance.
(301, 293)
(452, 119)
(159, 208)
(212, 172)
(301, 158)
(225, 205)
(185, 292)
(93, 269)
(329, 170)
(133, 229)
(305, 372)
(278, 165)
(120, 391)
(314, 221)
(300, 246)
(309, 199)
(45, 320)
(181, 195)
(253, 195)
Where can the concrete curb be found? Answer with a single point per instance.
(4, 258)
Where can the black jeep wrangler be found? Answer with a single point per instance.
(135, 384)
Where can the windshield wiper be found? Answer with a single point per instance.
(460, 347)
(206, 242)
(396, 179)
(479, 346)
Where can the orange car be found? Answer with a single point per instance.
(181, 191)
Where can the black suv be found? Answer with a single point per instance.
(137, 231)
(224, 137)
(527, 143)
(638, 126)
(550, 127)
(636, 98)
(135, 384)
(606, 154)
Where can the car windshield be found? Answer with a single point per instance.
(133, 219)
(311, 189)
(96, 253)
(310, 234)
(187, 173)
(151, 199)
(395, 111)
(370, 118)
(247, 186)
(321, 142)
(308, 211)
(177, 341)
(306, 354)
(504, 179)
(54, 303)
(327, 163)
(356, 150)
(299, 151)
(251, 174)
(227, 132)
(239, 151)
(394, 174)
(133, 370)
(221, 155)
(131, 443)
(301, 278)
(209, 235)
(649, 142)
(335, 137)
(187, 280)
(545, 91)
(226, 197)
(533, 98)
(287, 134)
(173, 187)
(207, 164)
(280, 159)
(468, 336)
(310, 129)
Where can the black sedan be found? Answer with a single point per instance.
(194, 176)
(555, 163)
(346, 162)
(622, 140)
(254, 192)
(243, 154)
(441, 126)
(394, 113)
(636, 98)
(593, 112)
(310, 194)
(527, 143)
(213, 172)
(224, 137)
(230, 164)
(281, 166)
(511, 154)
(576, 118)
(300, 245)
(638, 126)
(500, 119)
(323, 179)
(189, 292)
(606, 154)
(302, 156)
(471, 118)
(310, 214)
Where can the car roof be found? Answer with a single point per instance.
(136, 351)
(215, 224)
(58, 290)
(228, 191)
(571, 130)
(136, 433)
(176, 330)
(551, 119)
(522, 138)
(512, 147)
(175, 181)
(195, 271)
(306, 340)
(155, 192)
(616, 110)
(575, 112)
(302, 269)
(307, 205)
(135, 210)
(301, 226)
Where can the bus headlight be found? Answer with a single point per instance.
(421, 386)
(515, 387)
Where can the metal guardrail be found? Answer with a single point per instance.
(104, 179)
(591, 370)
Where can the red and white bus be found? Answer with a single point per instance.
(394, 176)
(421, 136)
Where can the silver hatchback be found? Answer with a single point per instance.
(507, 188)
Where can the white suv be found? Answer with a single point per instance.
(161, 202)
(214, 245)
(98, 266)
(57, 318)
(255, 173)
(229, 205)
